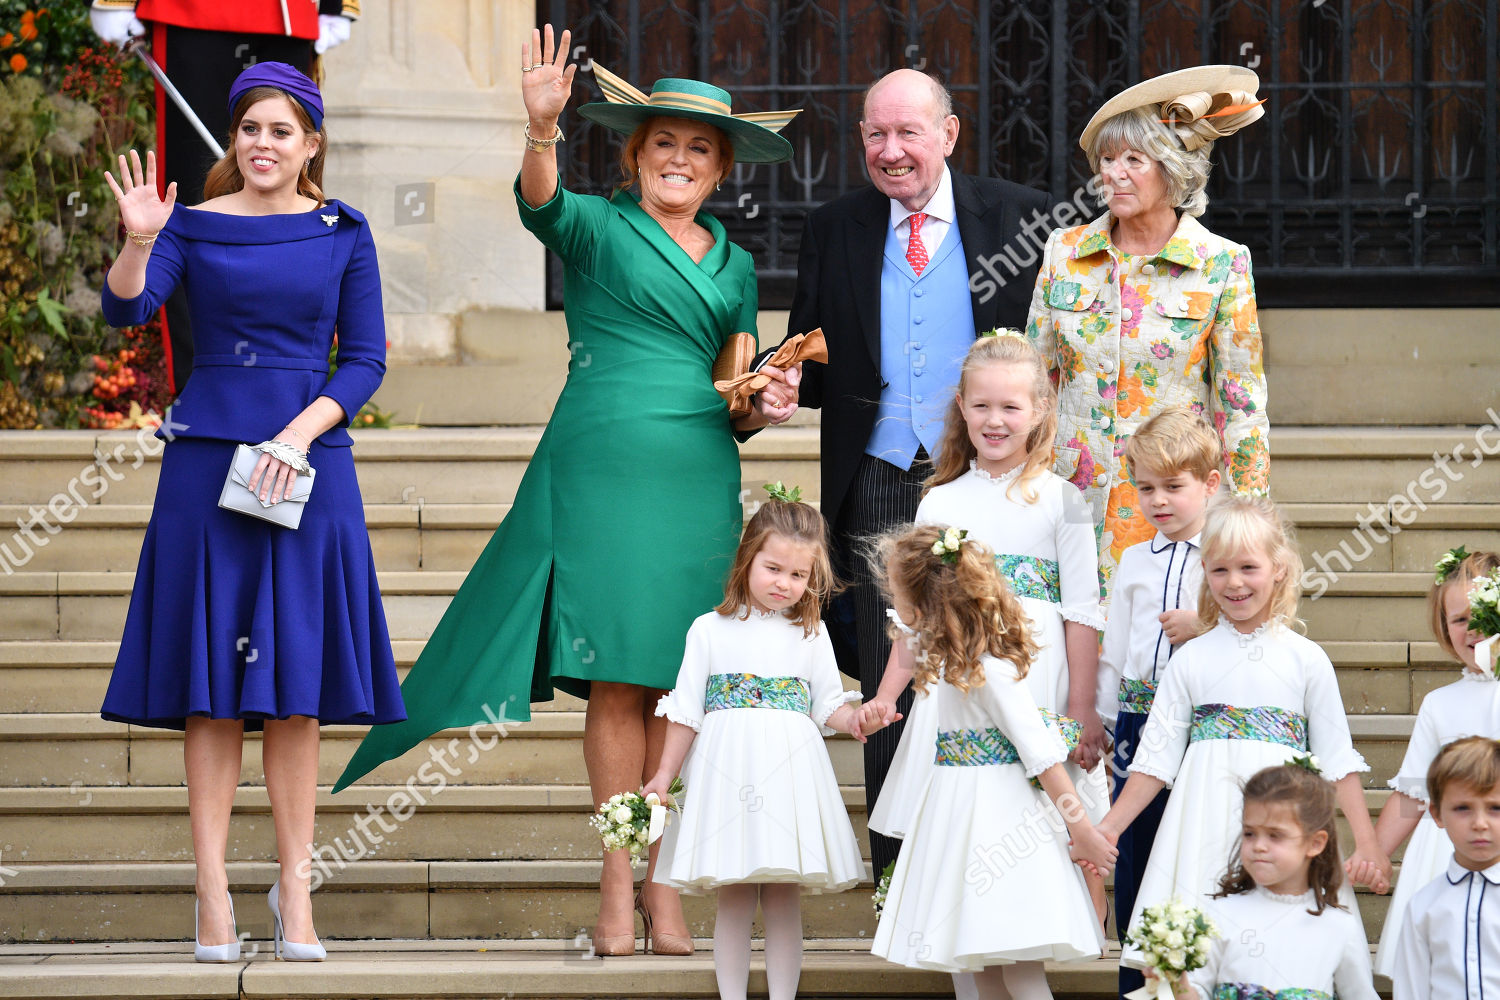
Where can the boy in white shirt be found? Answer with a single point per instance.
(1175, 460)
(1450, 942)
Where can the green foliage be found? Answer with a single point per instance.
(65, 110)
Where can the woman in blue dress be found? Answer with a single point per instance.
(237, 623)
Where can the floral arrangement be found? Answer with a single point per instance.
(946, 547)
(1175, 938)
(1484, 618)
(883, 888)
(1447, 563)
(1308, 762)
(1004, 331)
(633, 822)
(66, 107)
(776, 491)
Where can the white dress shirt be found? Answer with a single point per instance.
(1450, 944)
(1154, 576)
(941, 214)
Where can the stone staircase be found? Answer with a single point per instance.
(94, 841)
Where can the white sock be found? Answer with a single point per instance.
(732, 939)
(781, 908)
(965, 988)
(1027, 981)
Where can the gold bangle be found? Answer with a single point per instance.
(541, 145)
(142, 239)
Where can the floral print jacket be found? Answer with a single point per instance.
(1125, 335)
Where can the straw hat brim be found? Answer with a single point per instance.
(1168, 87)
(752, 143)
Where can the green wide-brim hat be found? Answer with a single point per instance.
(754, 134)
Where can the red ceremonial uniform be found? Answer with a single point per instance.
(296, 18)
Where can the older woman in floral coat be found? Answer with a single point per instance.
(1144, 308)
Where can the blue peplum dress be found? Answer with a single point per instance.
(232, 617)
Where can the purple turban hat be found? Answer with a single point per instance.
(282, 76)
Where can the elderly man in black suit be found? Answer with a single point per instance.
(901, 276)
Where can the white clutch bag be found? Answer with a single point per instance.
(236, 494)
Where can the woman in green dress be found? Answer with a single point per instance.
(625, 523)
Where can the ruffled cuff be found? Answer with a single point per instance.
(1090, 617)
(1037, 767)
(1144, 767)
(1346, 764)
(1412, 788)
(669, 707)
(827, 709)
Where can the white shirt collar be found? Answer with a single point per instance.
(1457, 872)
(940, 206)
(1161, 542)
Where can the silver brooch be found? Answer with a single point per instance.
(330, 219)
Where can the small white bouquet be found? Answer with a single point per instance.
(1175, 939)
(883, 888)
(1484, 618)
(630, 821)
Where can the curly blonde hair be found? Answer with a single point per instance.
(1240, 522)
(956, 450)
(1463, 575)
(963, 610)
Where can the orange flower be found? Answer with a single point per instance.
(28, 32)
(28, 17)
(18, 63)
(7, 40)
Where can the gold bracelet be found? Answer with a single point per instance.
(541, 145)
(142, 239)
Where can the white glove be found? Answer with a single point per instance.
(333, 29)
(116, 26)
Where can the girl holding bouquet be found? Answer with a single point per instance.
(1247, 693)
(984, 883)
(1281, 928)
(757, 692)
(1470, 706)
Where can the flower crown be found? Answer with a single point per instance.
(947, 546)
(1308, 762)
(1004, 331)
(782, 493)
(1447, 564)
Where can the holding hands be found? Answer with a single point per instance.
(1092, 850)
(1370, 870)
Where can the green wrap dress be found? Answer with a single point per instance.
(625, 524)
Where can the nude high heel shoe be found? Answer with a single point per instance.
(291, 951)
(660, 944)
(215, 952)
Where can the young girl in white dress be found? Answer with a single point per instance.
(1247, 693)
(984, 882)
(763, 819)
(993, 478)
(1282, 930)
(1470, 706)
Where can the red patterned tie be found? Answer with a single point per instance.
(916, 253)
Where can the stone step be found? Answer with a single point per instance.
(487, 968)
(1376, 677)
(67, 749)
(81, 605)
(72, 676)
(59, 750)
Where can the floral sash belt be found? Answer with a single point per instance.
(751, 691)
(1136, 696)
(1031, 577)
(973, 747)
(1249, 991)
(1264, 722)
